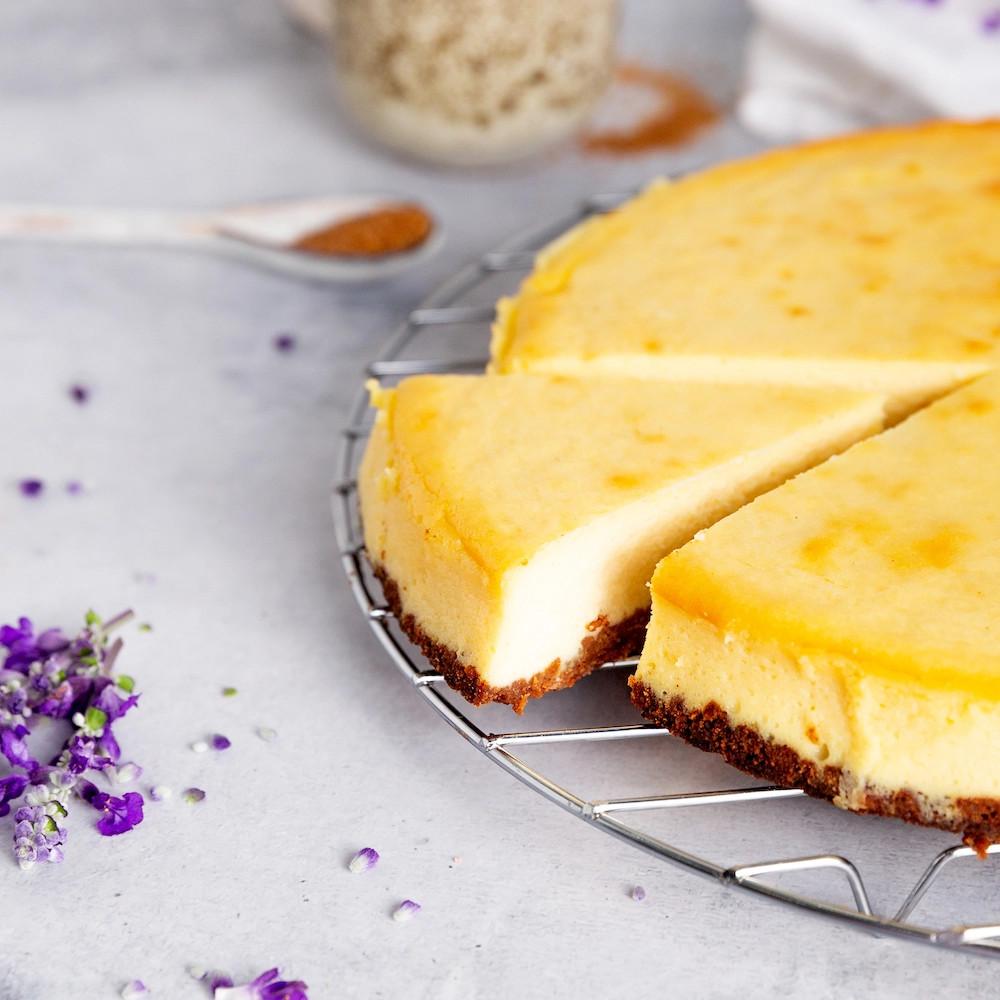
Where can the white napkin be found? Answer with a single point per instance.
(821, 67)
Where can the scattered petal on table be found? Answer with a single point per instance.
(364, 860)
(406, 910)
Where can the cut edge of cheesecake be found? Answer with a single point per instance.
(619, 640)
(709, 728)
(909, 385)
(559, 598)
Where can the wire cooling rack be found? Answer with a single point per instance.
(447, 333)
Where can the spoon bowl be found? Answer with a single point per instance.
(263, 233)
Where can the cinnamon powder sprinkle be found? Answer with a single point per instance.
(684, 112)
(389, 230)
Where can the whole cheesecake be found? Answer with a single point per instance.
(515, 521)
(867, 262)
(842, 633)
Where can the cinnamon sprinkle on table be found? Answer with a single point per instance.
(683, 113)
(392, 229)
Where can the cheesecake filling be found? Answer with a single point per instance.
(886, 733)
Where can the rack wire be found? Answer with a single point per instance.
(457, 307)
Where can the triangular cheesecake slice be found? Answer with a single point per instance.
(514, 521)
(842, 633)
(867, 262)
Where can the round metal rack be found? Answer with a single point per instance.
(437, 338)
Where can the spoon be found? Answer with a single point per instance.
(265, 233)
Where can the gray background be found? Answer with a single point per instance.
(210, 458)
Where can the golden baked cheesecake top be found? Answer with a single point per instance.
(793, 266)
(888, 555)
(518, 462)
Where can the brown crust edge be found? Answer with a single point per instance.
(609, 642)
(709, 728)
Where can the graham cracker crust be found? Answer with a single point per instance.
(709, 728)
(608, 642)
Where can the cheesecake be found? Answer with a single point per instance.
(514, 521)
(841, 634)
(867, 262)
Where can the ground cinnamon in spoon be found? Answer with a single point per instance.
(392, 229)
(684, 111)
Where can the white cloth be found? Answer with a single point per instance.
(821, 67)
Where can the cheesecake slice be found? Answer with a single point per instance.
(515, 521)
(868, 262)
(842, 633)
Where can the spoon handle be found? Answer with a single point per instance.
(100, 225)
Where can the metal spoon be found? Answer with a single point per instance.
(262, 233)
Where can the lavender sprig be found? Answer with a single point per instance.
(50, 675)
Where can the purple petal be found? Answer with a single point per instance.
(11, 788)
(406, 910)
(364, 860)
(284, 342)
(220, 981)
(52, 641)
(638, 894)
(126, 773)
(31, 487)
(134, 990)
(111, 703)
(87, 791)
(107, 745)
(265, 977)
(9, 634)
(283, 990)
(79, 393)
(14, 748)
(220, 742)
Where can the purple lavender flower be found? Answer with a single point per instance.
(31, 487)
(74, 487)
(991, 22)
(48, 674)
(120, 815)
(406, 910)
(134, 990)
(638, 894)
(284, 342)
(220, 981)
(79, 393)
(364, 860)
(37, 837)
(266, 986)
(220, 742)
(82, 754)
